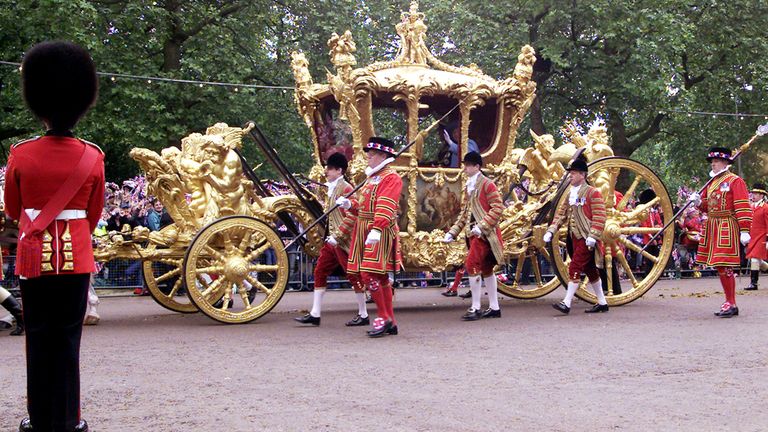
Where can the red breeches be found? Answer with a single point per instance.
(332, 258)
(480, 259)
(582, 261)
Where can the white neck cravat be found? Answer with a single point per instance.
(332, 185)
(713, 174)
(573, 196)
(472, 182)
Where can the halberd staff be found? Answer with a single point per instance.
(761, 130)
(419, 137)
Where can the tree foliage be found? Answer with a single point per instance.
(632, 63)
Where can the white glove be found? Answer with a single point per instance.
(373, 237)
(695, 198)
(448, 238)
(331, 241)
(744, 238)
(547, 237)
(344, 203)
(476, 231)
(447, 136)
(591, 242)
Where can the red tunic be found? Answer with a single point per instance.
(758, 231)
(376, 205)
(652, 221)
(36, 168)
(726, 203)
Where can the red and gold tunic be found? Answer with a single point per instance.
(726, 203)
(483, 207)
(36, 169)
(376, 206)
(585, 218)
(758, 231)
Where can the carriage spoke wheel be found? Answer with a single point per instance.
(622, 237)
(164, 281)
(529, 275)
(236, 269)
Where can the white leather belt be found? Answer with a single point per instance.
(68, 214)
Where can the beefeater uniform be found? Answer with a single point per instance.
(758, 231)
(726, 203)
(585, 216)
(376, 207)
(482, 207)
(55, 302)
(756, 249)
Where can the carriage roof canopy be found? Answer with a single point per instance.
(410, 91)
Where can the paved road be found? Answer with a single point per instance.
(661, 363)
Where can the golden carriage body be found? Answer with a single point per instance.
(224, 246)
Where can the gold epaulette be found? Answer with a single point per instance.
(25, 141)
(92, 144)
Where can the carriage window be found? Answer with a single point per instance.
(435, 152)
(482, 126)
(333, 134)
(390, 123)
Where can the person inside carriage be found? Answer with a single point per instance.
(452, 138)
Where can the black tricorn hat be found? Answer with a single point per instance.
(578, 164)
(719, 153)
(337, 160)
(647, 196)
(380, 144)
(759, 188)
(473, 158)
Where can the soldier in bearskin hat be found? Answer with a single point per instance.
(726, 203)
(584, 212)
(375, 236)
(756, 250)
(478, 221)
(57, 208)
(335, 252)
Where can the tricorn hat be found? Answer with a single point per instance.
(578, 164)
(337, 160)
(759, 188)
(380, 144)
(719, 153)
(473, 158)
(647, 196)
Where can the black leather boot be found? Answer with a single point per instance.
(12, 306)
(25, 426)
(753, 277)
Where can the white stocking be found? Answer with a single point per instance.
(570, 292)
(317, 302)
(476, 288)
(491, 285)
(362, 310)
(597, 287)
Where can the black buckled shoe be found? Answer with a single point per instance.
(382, 329)
(562, 308)
(308, 319)
(82, 426)
(466, 295)
(490, 313)
(450, 293)
(25, 426)
(730, 312)
(357, 321)
(472, 315)
(597, 308)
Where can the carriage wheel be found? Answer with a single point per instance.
(163, 278)
(536, 261)
(227, 262)
(622, 223)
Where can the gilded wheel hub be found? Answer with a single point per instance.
(236, 268)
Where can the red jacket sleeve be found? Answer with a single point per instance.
(12, 195)
(495, 204)
(741, 204)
